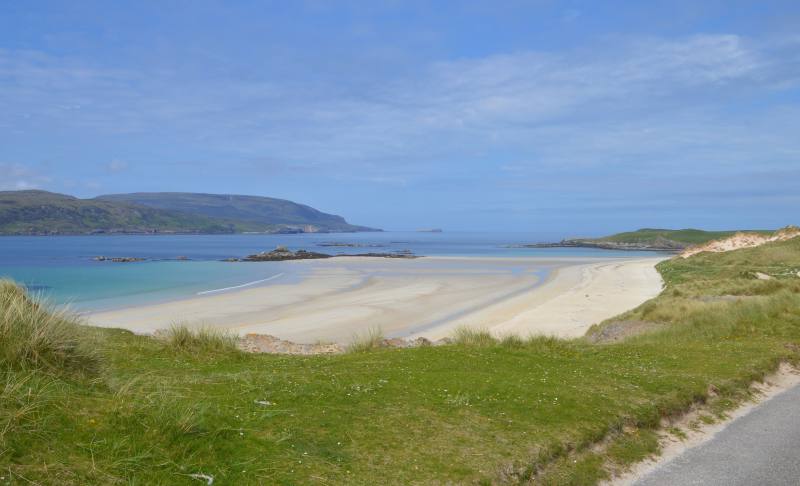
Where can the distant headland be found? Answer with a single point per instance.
(645, 239)
(36, 212)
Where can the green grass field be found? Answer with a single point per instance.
(81, 405)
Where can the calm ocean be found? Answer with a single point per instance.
(62, 267)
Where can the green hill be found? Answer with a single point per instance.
(651, 239)
(684, 237)
(254, 210)
(47, 213)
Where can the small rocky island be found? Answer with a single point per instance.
(349, 245)
(282, 253)
(118, 259)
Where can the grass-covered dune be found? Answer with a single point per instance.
(81, 405)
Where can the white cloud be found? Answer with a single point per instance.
(116, 166)
(651, 98)
(16, 177)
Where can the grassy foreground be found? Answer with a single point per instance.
(81, 405)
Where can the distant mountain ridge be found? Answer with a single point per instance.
(35, 212)
(244, 209)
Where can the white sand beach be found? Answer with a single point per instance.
(427, 297)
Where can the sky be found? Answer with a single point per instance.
(560, 118)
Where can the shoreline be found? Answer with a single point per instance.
(425, 297)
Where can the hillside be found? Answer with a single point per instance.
(649, 239)
(255, 210)
(47, 213)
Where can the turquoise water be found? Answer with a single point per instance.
(62, 267)
(113, 285)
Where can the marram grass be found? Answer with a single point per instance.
(369, 340)
(36, 336)
(203, 339)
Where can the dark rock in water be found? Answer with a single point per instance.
(350, 245)
(282, 253)
(398, 254)
(117, 259)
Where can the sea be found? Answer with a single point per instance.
(63, 269)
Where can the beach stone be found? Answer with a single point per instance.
(421, 341)
(394, 343)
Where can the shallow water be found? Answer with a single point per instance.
(62, 267)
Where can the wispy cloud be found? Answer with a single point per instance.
(116, 166)
(14, 177)
(492, 98)
(631, 108)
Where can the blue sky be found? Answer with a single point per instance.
(560, 118)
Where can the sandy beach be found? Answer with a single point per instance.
(342, 297)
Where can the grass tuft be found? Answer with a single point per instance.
(36, 336)
(512, 341)
(468, 336)
(24, 396)
(200, 340)
(372, 339)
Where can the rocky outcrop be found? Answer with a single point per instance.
(349, 245)
(658, 244)
(265, 343)
(118, 259)
(396, 254)
(742, 240)
(282, 253)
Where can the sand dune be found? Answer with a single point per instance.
(409, 298)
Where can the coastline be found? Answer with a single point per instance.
(426, 297)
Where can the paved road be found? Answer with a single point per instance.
(760, 448)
